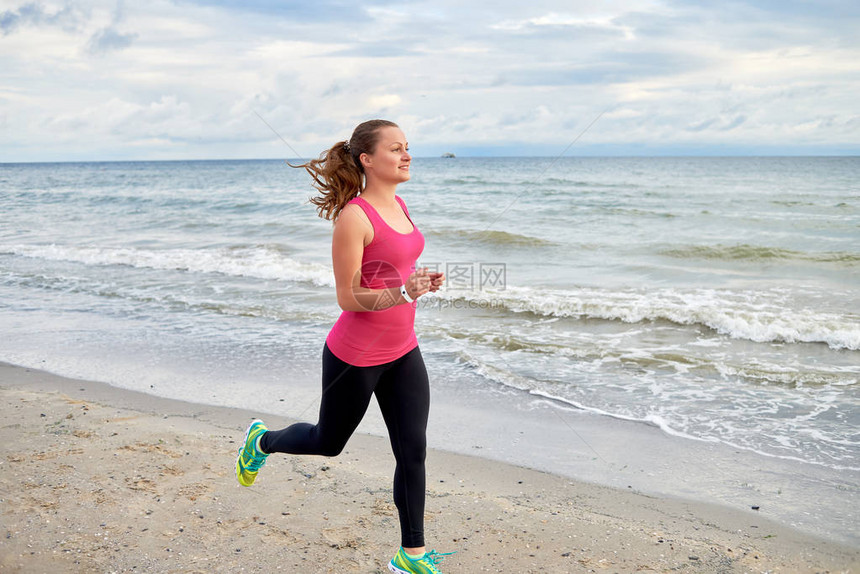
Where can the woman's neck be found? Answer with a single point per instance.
(380, 194)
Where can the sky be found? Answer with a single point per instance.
(210, 79)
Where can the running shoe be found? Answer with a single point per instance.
(403, 564)
(250, 458)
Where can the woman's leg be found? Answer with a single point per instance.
(403, 394)
(345, 396)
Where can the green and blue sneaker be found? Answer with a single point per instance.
(403, 564)
(251, 458)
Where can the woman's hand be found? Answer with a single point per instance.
(419, 283)
(423, 281)
(436, 281)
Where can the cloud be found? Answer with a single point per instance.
(568, 23)
(181, 78)
(33, 14)
(384, 101)
(737, 121)
(109, 39)
(305, 12)
(724, 124)
(700, 126)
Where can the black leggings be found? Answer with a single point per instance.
(403, 392)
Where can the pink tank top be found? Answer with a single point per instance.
(367, 338)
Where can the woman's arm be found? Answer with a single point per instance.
(347, 247)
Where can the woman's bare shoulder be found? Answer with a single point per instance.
(352, 221)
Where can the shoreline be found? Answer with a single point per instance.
(121, 479)
(476, 417)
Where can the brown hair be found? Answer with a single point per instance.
(338, 173)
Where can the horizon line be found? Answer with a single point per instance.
(454, 158)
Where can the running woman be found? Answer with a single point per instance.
(372, 348)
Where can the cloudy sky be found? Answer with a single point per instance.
(179, 79)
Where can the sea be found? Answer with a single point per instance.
(709, 304)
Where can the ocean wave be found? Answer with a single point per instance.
(773, 438)
(788, 377)
(491, 237)
(185, 299)
(686, 361)
(761, 316)
(262, 262)
(464, 180)
(747, 252)
(637, 213)
(578, 183)
(650, 419)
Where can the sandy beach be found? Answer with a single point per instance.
(99, 479)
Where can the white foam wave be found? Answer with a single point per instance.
(731, 438)
(652, 419)
(760, 316)
(261, 262)
(515, 381)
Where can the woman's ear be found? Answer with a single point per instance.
(366, 160)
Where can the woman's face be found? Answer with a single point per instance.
(390, 160)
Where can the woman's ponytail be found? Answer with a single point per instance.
(338, 173)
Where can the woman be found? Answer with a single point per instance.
(372, 348)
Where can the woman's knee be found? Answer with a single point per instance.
(331, 451)
(412, 452)
(331, 448)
